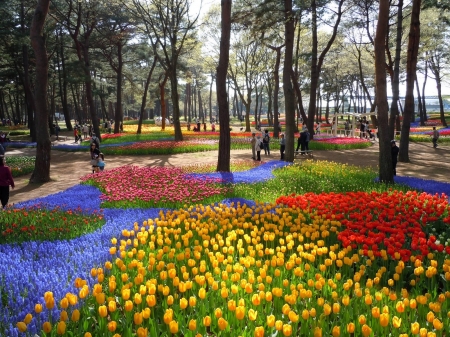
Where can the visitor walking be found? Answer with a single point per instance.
(258, 147)
(6, 180)
(282, 146)
(394, 153)
(266, 141)
(435, 136)
(253, 144)
(95, 140)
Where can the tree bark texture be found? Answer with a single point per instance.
(385, 161)
(289, 97)
(411, 63)
(223, 162)
(41, 171)
(144, 96)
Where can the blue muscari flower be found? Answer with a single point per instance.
(254, 175)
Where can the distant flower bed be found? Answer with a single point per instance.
(20, 165)
(41, 224)
(152, 187)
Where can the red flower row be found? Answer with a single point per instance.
(392, 221)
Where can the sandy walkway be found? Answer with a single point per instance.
(67, 167)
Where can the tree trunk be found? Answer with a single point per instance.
(210, 97)
(41, 171)
(419, 101)
(441, 103)
(411, 63)
(289, 101)
(385, 160)
(223, 160)
(118, 116)
(175, 102)
(64, 86)
(276, 91)
(144, 97)
(396, 74)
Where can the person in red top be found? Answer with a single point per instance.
(6, 180)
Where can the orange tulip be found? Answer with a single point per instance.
(287, 330)
(206, 321)
(222, 323)
(112, 326)
(259, 331)
(366, 330)
(173, 327)
(240, 312)
(192, 325)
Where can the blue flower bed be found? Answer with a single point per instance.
(30, 269)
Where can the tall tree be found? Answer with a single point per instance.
(411, 62)
(41, 171)
(223, 162)
(289, 97)
(169, 26)
(385, 161)
(318, 59)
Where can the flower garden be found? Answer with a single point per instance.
(272, 249)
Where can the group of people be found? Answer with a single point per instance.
(97, 157)
(197, 128)
(259, 144)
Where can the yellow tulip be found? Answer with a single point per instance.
(366, 330)
(279, 325)
(336, 332)
(396, 322)
(252, 314)
(206, 321)
(168, 316)
(287, 330)
(112, 326)
(47, 327)
(128, 305)
(137, 318)
(75, 315)
(146, 313)
(326, 309)
(141, 332)
(240, 312)
(192, 325)
(259, 331)
(61, 328)
(384, 320)
(351, 327)
(415, 328)
(183, 303)
(271, 321)
(317, 332)
(27, 319)
(222, 323)
(102, 311)
(173, 327)
(437, 324)
(112, 306)
(63, 316)
(21, 326)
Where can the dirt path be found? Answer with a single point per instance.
(67, 167)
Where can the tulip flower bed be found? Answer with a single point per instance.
(312, 264)
(20, 165)
(235, 166)
(42, 224)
